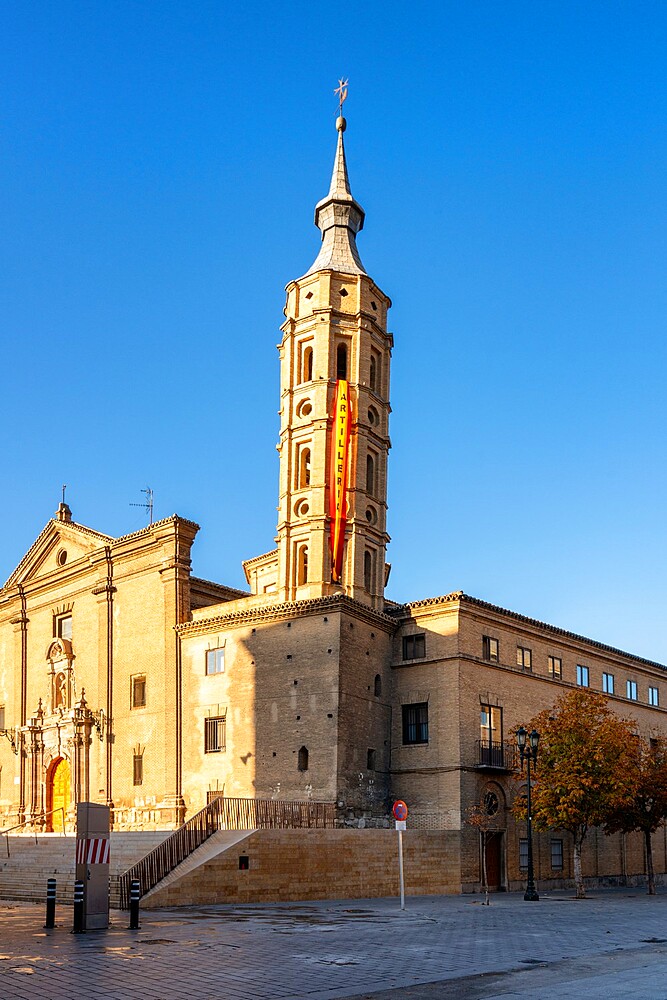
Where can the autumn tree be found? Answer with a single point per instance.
(582, 768)
(647, 808)
(484, 819)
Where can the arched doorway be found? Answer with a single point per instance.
(57, 795)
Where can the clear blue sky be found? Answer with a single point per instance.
(160, 164)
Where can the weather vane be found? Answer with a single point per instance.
(341, 91)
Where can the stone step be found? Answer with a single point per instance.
(23, 875)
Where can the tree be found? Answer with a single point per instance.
(483, 818)
(647, 808)
(582, 773)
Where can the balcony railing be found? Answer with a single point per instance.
(497, 755)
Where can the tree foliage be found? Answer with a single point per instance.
(582, 768)
(646, 809)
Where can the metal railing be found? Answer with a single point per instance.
(503, 756)
(222, 814)
(33, 822)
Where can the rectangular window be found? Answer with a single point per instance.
(415, 723)
(2, 717)
(138, 769)
(582, 676)
(524, 658)
(631, 690)
(491, 735)
(557, 855)
(215, 734)
(370, 759)
(556, 667)
(653, 698)
(215, 660)
(139, 691)
(63, 627)
(414, 647)
(523, 854)
(489, 648)
(608, 683)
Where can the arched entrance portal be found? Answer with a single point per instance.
(57, 795)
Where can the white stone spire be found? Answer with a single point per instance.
(339, 217)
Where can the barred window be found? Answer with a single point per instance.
(523, 854)
(215, 734)
(138, 769)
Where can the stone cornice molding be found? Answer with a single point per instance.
(289, 610)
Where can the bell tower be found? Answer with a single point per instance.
(334, 414)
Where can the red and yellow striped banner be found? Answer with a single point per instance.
(338, 468)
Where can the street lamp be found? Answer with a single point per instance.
(529, 753)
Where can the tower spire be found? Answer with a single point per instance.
(339, 217)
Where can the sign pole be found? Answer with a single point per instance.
(400, 867)
(400, 811)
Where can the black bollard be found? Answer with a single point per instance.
(50, 904)
(135, 896)
(78, 927)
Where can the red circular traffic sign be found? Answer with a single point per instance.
(400, 810)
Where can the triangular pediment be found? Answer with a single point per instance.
(58, 545)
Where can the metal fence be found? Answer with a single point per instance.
(223, 814)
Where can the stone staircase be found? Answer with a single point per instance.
(24, 873)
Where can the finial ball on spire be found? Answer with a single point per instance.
(341, 124)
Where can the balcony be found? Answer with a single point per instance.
(497, 756)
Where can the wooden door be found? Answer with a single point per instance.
(59, 795)
(494, 842)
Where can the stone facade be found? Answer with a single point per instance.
(126, 680)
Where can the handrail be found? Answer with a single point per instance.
(32, 822)
(222, 814)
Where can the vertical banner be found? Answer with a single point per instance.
(340, 445)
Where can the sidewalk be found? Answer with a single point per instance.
(611, 945)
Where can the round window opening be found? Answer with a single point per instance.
(62, 557)
(301, 508)
(491, 804)
(373, 416)
(371, 515)
(305, 408)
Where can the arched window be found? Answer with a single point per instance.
(303, 759)
(368, 570)
(370, 475)
(377, 687)
(303, 479)
(307, 372)
(341, 361)
(302, 565)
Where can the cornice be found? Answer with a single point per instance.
(287, 610)
(458, 597)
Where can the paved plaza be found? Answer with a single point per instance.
(611, 945)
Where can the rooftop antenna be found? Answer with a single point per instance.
(148, 503)
(64, 488)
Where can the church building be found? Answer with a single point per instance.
(127, 680)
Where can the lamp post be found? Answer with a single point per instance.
(529, 753)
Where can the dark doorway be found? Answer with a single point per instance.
(494, 854)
